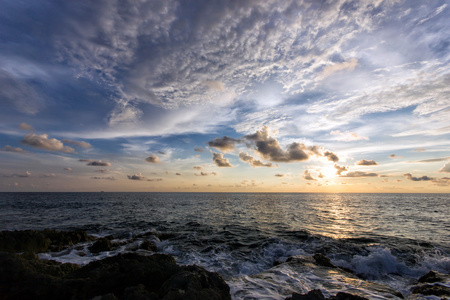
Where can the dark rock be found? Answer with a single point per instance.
(148, 245)
(317, 295)
(125, 276)
(346, 296)
(138, 293)
(323, 261)
(40, 240)
(431, 277)
(432, 289)
(194, 282)
(101, 245)
(311, 295)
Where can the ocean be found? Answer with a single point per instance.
(391, 239)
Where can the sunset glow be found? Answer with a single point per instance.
(252, 96)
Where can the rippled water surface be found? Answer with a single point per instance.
(390, 238)
(414, 216)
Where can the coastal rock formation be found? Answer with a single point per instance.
(125, 276)
(37, 241)
(317, 295)
(433, 284)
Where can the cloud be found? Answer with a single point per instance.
(307, 175)
(252, 161)
(336, 67)
(25, 175)
(340, 169)
(269, 148)
(224, 144)
(43, 142)
(197, 167)
(216, 85)
(445, 168)
(98, 163)
(205, 174)
(443, 181)
(137, 176)
(364, 162)
(152, 159)
(25, 126)
(20, 94)
(359, 174)
(420, 150)
(395, 156)
(412, 178)
(68, 169)
(8, 148)
(104, 178)
(220, 161)
(178, 174)
(347, 136)
(279, 175)
(199, 149)
(331, 156)
(80, 144)
(432, 160)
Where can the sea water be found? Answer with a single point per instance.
(387, 238)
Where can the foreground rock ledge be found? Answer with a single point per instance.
(125, 276)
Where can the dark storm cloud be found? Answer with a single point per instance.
(152, 159)
(99, 163)
(364, 162)
(8, 148)
(220, 161)
(224, 143)
(269, 148)
(43, 142)
(359, 174)
(78, 143)
(252, 161)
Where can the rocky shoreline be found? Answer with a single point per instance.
(134, 275)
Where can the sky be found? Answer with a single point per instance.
(225, 96)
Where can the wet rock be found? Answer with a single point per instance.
(311, 295)
(194, 282)
(346, 296)
(125, 276)
(148, 245)
(37, 241)
(323, 261)
(431, 277)
(101, 245)
(317, 295)
(432, 289)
